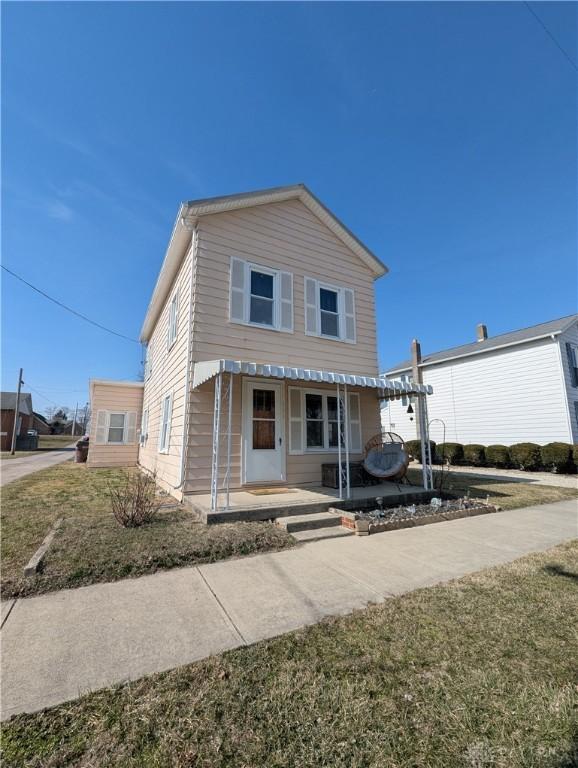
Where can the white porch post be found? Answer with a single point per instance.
(229, 422)
(216, 441)
(420, 401)
(347, 483)
(339, 436)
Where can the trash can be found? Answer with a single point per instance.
(81, 452)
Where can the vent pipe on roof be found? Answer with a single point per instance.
(482, 332)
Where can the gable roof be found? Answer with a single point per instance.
(8, 402)
(191, 211)
(534, 332)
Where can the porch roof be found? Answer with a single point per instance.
(206, 370)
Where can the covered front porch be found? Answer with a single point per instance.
(275, 427)
(271, 503)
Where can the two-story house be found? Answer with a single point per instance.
(261, 358)
(520, 386)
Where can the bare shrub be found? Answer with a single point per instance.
(134, 500)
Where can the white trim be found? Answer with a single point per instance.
(487, 350)
(342, 316)
(124, 415)
(250, 266)
(246, 411)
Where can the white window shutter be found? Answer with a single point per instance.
(237, 292)
(295, 420)
(101, 427)
(130, 427)
(286, 302)
(311, 307)
(354, 423)
(348, 315)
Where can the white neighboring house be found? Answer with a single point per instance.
(516, 387)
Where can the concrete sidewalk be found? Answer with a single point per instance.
(57, 646)
(14, 469)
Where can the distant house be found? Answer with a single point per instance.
(516, 387)
(40, 424)
(25, 417)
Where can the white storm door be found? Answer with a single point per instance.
(263, 432)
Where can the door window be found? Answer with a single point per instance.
(263, 419)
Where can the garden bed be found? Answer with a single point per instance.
(365, 522)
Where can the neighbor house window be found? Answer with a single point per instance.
(173, 320)
(116, 424)
(165, 425)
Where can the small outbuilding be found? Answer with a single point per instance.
(116, 408)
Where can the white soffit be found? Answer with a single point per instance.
(208, 369)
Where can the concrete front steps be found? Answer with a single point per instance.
(313, 526)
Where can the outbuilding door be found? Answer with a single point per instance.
(263, 432)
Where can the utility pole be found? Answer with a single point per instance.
(74, 420)
(16, 415)
(418, 379)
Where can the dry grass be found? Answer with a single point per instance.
(480, 673)
(91, 546)
(508, 494)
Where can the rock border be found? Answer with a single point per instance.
(363, 527)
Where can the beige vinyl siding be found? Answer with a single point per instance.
(505, 396)
(168, 376)
(571, 336)
(301, 469)
(284, 236)
(115, 397)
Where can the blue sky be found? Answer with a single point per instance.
(443, 134)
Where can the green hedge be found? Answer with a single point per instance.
(475, 455)
(525, 456)
(557, 457)
(498, 456)
(413, 447)
(575, 455)
(452, 452)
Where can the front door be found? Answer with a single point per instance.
(263, 432)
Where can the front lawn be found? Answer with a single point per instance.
(479, 673)
(91, 546)
(506, 493)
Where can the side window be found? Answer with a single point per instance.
(572, 355)
(144, 427)
(116, 424)
(165, 425)
(173, 321)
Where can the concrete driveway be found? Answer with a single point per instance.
(57, 646)
(14, 469)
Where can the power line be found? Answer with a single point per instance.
(68, 309)
(550, 35)
(39, 393)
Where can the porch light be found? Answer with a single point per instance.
(409, 409)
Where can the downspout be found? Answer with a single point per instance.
(186, 420)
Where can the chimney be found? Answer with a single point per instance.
(482, 332)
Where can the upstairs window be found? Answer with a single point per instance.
(173, 321)
(260, 296)
(329, 311)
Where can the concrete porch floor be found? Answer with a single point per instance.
(246, 505)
